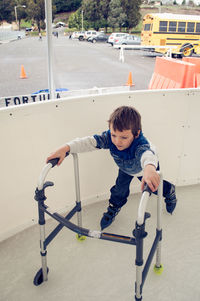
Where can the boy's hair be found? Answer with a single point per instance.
(126, 118)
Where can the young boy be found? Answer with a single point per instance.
(133, 154)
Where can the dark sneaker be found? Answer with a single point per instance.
(109, 216)
(171, 200)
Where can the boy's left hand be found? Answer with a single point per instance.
(151, 177)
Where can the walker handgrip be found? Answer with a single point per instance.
(143, 204)
(146, 188)
(54, 161)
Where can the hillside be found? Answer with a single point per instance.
(175, 9)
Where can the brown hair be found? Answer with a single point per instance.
(126, 118)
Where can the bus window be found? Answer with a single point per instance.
(172, 26)
(181, 26)
(147, 27)
(163, 26)
(190, 27)
(171, 30)
(198, 27)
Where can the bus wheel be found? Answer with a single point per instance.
(186, 51)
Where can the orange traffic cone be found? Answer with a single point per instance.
(23, 73)
(130, 82)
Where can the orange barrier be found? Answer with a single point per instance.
(172, 74)
(197, 80)
(196, 62)
(193, 60)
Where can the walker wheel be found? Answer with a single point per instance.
(158, 270)
(80, 237)
(39, 277)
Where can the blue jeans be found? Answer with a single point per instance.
(120, 191)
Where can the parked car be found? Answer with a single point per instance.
(90, 33)
(60, 24)
(128, 40)
(115, 35)
(81, 35)
(102, 37)
(28, 29)
(77, 34)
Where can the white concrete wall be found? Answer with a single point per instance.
(30, 132)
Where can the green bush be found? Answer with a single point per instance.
(25, 24)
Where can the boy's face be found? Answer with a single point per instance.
(121, 140)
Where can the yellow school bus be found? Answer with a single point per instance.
(180, 33)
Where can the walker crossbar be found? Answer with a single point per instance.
(60, 226)
(64, 221)
(138, 233)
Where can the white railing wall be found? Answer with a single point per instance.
(30, 132)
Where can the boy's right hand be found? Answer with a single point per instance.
(59, 153)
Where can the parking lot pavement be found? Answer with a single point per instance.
(76, 65)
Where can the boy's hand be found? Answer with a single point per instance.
(59, 153)
(151, 177)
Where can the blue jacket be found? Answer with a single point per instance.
(128, 160)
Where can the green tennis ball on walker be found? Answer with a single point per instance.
(80, 237)
(158, 270)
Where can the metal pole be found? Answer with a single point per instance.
(82, 19)
(16, 15)
(48, 13)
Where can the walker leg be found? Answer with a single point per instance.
(43, 252)
(139, 233)
(42, 273)
(78, 197)
(138, 283)
(158, 268)
(158, 255)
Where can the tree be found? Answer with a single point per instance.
(75, 21)
(67, 5)
(105, 11)
(92, 13)
(100, 13)
(116, 17)
(6, 10)
(132, 11)
(36, 12)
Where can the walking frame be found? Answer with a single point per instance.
(138, 233)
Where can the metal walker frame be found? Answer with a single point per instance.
(138, 233)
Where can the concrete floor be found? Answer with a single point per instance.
(102, 270)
